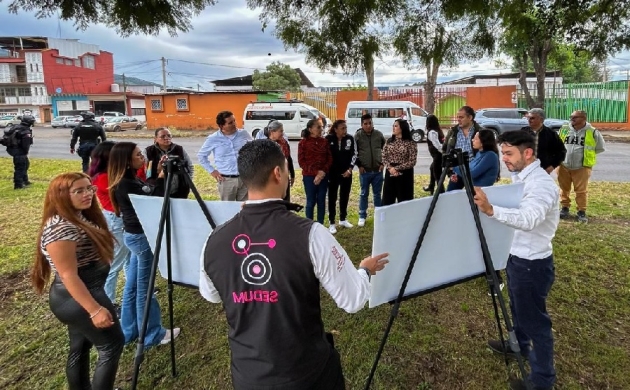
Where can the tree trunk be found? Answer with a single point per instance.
(429, 87)
(521, 62)
(369, 73)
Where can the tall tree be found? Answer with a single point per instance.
(433, 39)
(331, 34)
(277, 77)
(127, 17)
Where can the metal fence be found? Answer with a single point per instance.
(603, 102)
(448, 100)
(325, 102)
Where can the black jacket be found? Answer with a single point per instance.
(87, 132)
(344, 153)
(453, 133)
(551, 150)
(24, 136)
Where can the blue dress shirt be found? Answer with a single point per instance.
(225, 150)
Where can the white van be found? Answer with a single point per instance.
(384, 113)
(292, 114)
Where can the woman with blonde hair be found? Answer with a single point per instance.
(76, 247)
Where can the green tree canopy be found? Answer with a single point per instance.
(277, 77)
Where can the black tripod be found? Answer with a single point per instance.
(173, 165)
(450, 159)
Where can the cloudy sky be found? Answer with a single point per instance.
(227, 41)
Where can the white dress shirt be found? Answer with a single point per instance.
(434, 139)
(225, 150)
(349, 287)
(537, 217)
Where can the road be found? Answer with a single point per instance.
(612, 165)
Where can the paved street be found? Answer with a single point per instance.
(612, 165)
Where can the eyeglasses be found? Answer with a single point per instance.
(83, 191)
(165, 137)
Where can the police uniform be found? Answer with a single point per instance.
(87, 132)
(19, 152)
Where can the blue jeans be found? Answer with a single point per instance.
(121, 253)
(529, 283)
(367, 179)
(135, 294)
(315, 194)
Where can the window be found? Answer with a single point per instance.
(68, 61)
(42, 92)
(88, 61)
(22, 91)
(156, 104)
(77, 63)
(181, 104)
(138, 111)
(36, 91)
(31, 66)
(306, 114)
(59, 60)
(415, 111)
(269, 115)
(393, 113)
(37, 68)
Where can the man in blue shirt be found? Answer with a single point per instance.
(224, 146)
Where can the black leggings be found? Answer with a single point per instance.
(436, 171)
(341, 185)
(398, 188)
(109, 342)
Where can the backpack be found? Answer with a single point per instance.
(10, 138)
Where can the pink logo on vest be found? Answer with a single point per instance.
(256, 267)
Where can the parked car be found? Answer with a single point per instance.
(121, 123)
(66, 121)
(109, 114)
(385, 112)
(10, 120)
(501, 120)
(293, 114)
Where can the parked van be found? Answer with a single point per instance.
(293, 114)
(384, 113)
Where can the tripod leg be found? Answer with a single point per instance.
(490, 271)
(139, 357)
(403, 287)
(170, 286)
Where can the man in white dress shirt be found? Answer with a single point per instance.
(530, 269)
(266, 266)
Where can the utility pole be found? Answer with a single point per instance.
(164, 73)
(125, 93)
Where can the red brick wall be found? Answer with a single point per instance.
(74, 79)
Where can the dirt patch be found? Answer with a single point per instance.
(11, 284)
(623, 139)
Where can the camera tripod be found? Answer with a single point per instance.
(452, 158)
(173, 165)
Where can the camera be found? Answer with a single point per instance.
(172, 159)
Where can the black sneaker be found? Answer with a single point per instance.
(28, 183)
(581, 215)
(519, 384)
(564, 213)
(20, 187)
(498, 347)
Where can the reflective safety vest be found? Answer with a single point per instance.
(590, 156)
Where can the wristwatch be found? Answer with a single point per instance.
(367, 271)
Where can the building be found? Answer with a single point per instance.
(134, 84)
(244, 83)
(496, 80)
(51, 77)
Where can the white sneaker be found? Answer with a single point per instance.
(332, 229)
(361, 222)
(345, 224)
(167, 337)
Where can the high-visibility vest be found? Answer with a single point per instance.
(590, 157)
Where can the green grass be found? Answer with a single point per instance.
(437, 342)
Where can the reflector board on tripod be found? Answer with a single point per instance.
(189, 231)
(451, 250)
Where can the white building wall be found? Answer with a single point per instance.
(34, 67)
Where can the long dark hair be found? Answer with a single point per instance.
(307, 132)
(100, 158)
(489, 143)
(335, 125)
(434, 124)
(405, 131)
(119, 163)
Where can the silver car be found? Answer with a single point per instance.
(501, 120)
(10, 120)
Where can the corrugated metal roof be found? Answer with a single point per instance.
(72, 48)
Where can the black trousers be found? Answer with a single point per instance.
(342, 186)
(109, 342)
(435, 171)
(20, 170)
(84, 151)
(398, 188)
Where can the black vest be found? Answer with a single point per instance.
(432, 149)
(260, 264)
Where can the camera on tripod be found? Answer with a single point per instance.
(174, 160)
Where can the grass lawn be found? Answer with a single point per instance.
(437, 342)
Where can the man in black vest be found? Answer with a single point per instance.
(18, 143)
(87, 132)
(550, 149)
(266, 266)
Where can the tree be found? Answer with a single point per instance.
(277, 77)
(432, 39)
(127, 17)
(331, 34)
(533, 28)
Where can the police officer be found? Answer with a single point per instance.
(18, 147)
(87, 132)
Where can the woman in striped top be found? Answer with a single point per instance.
(399, 157)
(76, 246)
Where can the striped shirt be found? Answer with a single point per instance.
(59, 229)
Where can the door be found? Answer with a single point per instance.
(47, 116)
